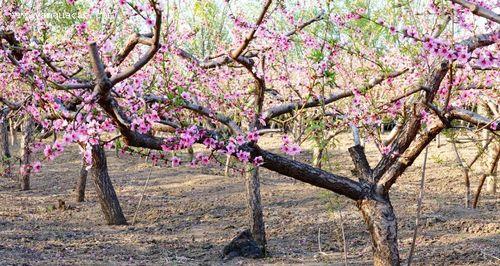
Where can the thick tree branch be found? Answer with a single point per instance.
(290, 107)
(131, 43)
(479, 10)
(407, 158)
(473, 118)
(361, 164)
(155, 46)
(238, 51)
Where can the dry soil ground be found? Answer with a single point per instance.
(189, 214)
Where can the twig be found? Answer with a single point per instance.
(419, 207)
(343, 236)
(142, 196)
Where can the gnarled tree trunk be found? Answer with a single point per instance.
(106, 193)
(382, 224)
(81, 183)
(5, 156)
(28, 129)
(257, 226)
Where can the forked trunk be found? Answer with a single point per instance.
(29, 126)
(82, 182)
(256, 218)
(382, 225)
(106, 193)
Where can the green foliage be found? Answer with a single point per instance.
(437, 159)
(62, 15)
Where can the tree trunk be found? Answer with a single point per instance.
(5, 156)
(491, 179)
(256, 218)
(382, 225)
(26, 153)
(491, 184)
(12, 133)
(106, 193)
(82, 182)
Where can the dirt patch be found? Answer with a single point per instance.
(189, 214)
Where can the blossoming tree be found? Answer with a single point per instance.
(164, 76)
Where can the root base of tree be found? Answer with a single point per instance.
(243, 245)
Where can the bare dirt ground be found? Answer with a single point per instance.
(189, 214)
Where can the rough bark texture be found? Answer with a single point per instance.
(382, 224)
(26, 153)
(5, 156)
(81, 183)
(257, 226)
(107, 197)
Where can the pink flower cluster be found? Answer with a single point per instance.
(289, 147)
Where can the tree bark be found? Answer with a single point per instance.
(29, 126)
(82, 182)
(382, 225)
(106, 193)
(491, 179)
(257, 226)
(12, 133)
(5, 156)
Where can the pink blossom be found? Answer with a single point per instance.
(37, 166)
(240, 140)
(175, 161)
(258, 161)
(463, 56)
(230, 148)
(243, 156)
(185, 96)
(150, 23)
(286, 140)
(392, 30)
(81, 28)
(253, 136)
(205, 160)
(386, 150)
(494, 125)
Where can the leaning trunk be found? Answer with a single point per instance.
(255, 207)
(82, 182)
(26, 153)
(106, 193)
(381, 221)
(4, 146)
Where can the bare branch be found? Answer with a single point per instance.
(473, 118)
(238, 51)
(155, 46)
(290, 107)
(133, 40)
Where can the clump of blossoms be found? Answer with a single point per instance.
(289, 147)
